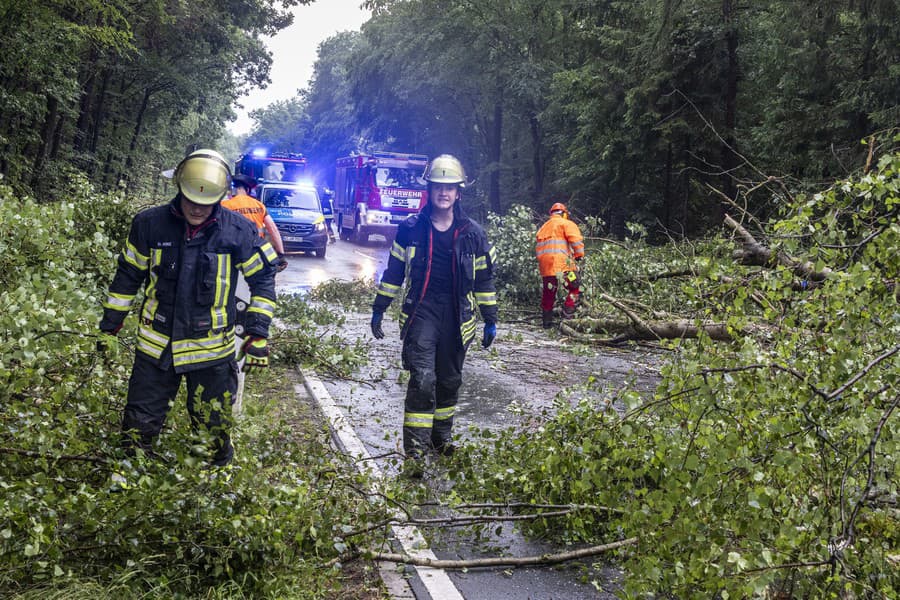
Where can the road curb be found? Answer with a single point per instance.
(436, 582)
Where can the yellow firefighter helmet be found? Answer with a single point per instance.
(446, 169)
(203, 176)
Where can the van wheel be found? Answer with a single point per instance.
(320, 252)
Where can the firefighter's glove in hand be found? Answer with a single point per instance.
(255, 353)
(281, 264)
(377, 331)
(490, 332)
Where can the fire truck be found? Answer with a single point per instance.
(373, 193)
(272, 166)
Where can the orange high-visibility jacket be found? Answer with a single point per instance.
(251, 208)
(559, 242)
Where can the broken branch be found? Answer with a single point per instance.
(544, 559)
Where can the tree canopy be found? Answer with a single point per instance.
(118, 89)
(628, 110)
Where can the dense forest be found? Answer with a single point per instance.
(629, 110)
(118, 89)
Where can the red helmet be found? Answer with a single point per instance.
(558, 206)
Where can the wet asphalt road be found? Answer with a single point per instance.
(520, 377)
(343, 260)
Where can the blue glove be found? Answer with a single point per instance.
(490, 332)
(377, 331)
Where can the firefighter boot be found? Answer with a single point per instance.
(442, 442)
(547, 319)
(413, 468)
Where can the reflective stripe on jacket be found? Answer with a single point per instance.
(559, 242)
(473, 272)
(188, 313)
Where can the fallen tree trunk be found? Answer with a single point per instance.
(647, 331)
(756, 254)
(544, 559)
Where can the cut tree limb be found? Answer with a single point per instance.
(639, 329)
(652, 331)
(544, 559)
(754, 253)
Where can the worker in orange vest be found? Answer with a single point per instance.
(560, 246)
(242, 202)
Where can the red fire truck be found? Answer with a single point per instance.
(375, 192)
(272, 166)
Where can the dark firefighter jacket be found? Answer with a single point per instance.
(473, 271)
(188, 314)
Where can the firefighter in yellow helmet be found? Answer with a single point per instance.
(450, 266)
(559, 249)
(187, 255)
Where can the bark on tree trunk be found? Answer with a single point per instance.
(654, 331)
(495, 156)
(754, 253)
(87, 98)
(99, 113)
(57, 137)
(537, 158)
(136, 134)
(729, 158)
(667, 190)
(46, 139)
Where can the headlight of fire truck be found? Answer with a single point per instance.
(376, 217)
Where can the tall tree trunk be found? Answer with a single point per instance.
(537, 158)
(494, 153)
(861, 123)
(57, 137)
(729, 158)
(667, 190)
(99, 113)
(46, 138)
(136, 134)
(87, 99)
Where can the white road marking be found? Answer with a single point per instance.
(436, 581)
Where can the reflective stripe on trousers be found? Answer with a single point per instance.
(210, 394)
(433, 354)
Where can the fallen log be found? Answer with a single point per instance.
(544, 559)
(649, 331)
(754, 253)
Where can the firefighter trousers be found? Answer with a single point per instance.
(210, 394)
(433, 354)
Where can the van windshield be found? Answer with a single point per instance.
(291, 198)
(408, 179)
